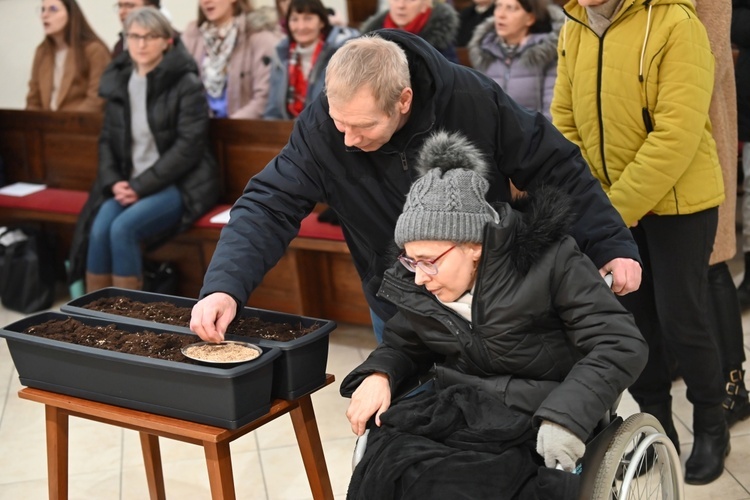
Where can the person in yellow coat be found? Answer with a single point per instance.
(634, 86)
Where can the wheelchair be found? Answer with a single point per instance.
(626, 459)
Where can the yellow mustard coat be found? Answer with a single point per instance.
(636, 102)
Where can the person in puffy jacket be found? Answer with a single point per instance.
(517, 48)
(634, 86)
(156, 172)
(354, 148)
(500, 298)
(298, 67)
(434, 21)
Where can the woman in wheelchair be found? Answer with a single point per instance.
(527, 345)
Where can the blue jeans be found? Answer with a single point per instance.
(117, 231)
(378, 325)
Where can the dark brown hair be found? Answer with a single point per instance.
(309, 7)
(78, 34)
(540, 9)
(240, 7)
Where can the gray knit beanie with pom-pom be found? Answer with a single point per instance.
(447, 203)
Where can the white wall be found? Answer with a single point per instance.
(21, 31)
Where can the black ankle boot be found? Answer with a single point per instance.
(711, 445)
(743, 290)
(736, 405)
(663, 413)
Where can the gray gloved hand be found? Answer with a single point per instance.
(558, 445)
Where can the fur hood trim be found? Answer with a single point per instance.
(539, 51)
(546, 217)
(440, 31)
(262, 19)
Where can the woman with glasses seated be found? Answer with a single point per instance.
(68, 63)
(528, 346)
(156, 172)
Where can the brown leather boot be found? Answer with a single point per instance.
(127, 282)
(96, 282)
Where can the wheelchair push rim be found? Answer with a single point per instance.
(640, 463)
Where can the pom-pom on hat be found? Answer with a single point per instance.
(447, 203)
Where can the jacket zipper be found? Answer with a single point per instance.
(599, 107)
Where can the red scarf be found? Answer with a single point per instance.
(297, 91)
(413, 27)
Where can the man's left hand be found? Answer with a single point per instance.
(626, 275)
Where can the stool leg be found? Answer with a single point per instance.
(152, 462)
(57, 452)
(308, 440)
(219, 463)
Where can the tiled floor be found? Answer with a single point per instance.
(105, 462)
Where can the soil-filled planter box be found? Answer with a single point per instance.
(224, 396)
(300, 369)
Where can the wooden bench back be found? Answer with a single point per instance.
(61, 149)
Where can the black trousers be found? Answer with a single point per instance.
(672, 307)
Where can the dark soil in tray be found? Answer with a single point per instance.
(166, 312)
(143, 343)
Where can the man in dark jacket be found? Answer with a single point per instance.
(384, 95)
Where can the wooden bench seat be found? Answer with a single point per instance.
(316, 277)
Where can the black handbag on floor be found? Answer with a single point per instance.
(27, 281)
(159, 277)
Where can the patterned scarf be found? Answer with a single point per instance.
(297, 90)
(414, 27)
(219, 41)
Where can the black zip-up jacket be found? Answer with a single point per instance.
(547, 335)
(178, 119)
(367, 190)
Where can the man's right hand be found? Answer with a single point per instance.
(211, 316)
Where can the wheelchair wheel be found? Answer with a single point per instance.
(640, 462)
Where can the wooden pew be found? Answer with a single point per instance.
(316, 276)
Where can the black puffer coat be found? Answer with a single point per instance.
(178, 119)
(367, 190)
(546, 331)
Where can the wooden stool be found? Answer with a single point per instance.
(215, 440)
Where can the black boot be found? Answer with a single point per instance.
(711, 445)
(663, 413)
(743, 291)
(736, 405)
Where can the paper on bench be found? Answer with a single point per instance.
(21, 189)
(221, 217)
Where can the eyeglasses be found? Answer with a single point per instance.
(428, 266)
(134, 38)
(124, 6)
(52, 10)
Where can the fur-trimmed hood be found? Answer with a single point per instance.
(440, 31)
(541, 220)
(262, 19)
(539, 50)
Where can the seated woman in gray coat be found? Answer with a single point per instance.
(500, 302)
(298, 68)
(517, 48)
